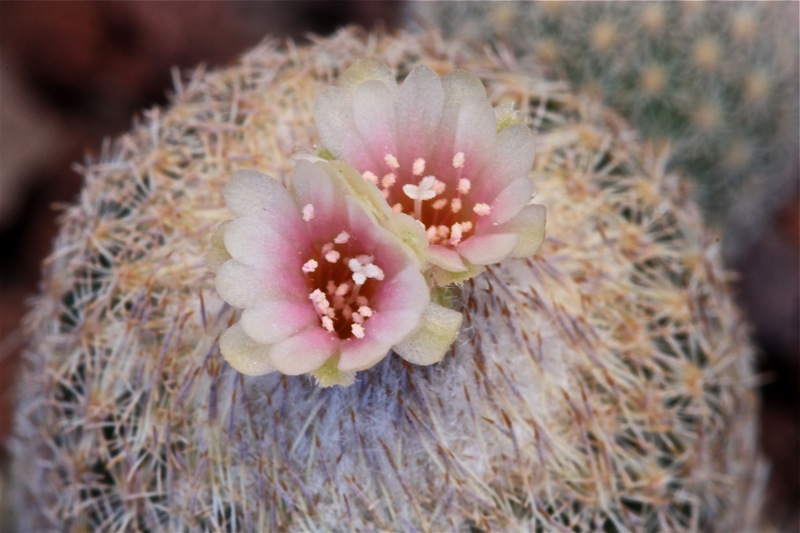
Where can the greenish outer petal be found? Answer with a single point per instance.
(529, 225)
(243, 353)
(217, 253)
(406, 228)
(329, 375)
(442, 277)
(366, 69)
(365, 192)
(437, 332)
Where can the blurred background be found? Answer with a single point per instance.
(716, 81)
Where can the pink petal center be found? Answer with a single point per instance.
(442, 198)
(342, 281)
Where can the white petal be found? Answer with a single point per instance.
(303, 352)
(362, 224)
(437, 332)
(254, 241)
(511, 200)
(243, 353)
(470, 128)
(529, 224)
(374, 117)
(272, 322)
(333, 114)
(460, 85)
(405, 291)
(244, 286)
(250, 193)
(476, 130)
(488, 249)
(419, 110)
(446, 258)
(383, 330)
(360, 354)
(311, 185)
(514, 153)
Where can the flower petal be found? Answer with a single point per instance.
(514, 153)
(366, 69)
(272, 322)
(443, 278)
(303, 352)
(312, 185)
(419, 110)
(244, 286)
(251, 193)
(437, 332)
(510, 201)
(254, 241)
(529, 224)
(217, 253)
(487, 249)
(383, 330)
(459, 86)
(398, 306)
(472, 131)
(374, 118)
(360, 354)
(406, 291)
(446, 258)
(365, 192)
(333, 114)
(329, 374)
(411, 232)
(243, 353)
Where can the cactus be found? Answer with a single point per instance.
(605, 383)
(716, 81)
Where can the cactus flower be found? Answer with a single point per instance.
(431, 146)
(323, 288)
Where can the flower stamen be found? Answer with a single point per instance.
(358, 330)
(363, 268)
(391, 161)
(482, 209)
(419, 167)
(308, 212)
(369, 176)
(389, 180)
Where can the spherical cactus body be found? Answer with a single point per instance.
(604, 383)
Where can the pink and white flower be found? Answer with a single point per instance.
(431, 146)
(323, 288)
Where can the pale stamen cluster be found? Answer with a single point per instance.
(443, 206)
(338, 278)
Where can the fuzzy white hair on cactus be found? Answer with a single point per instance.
(435, 145)
(324, 289)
